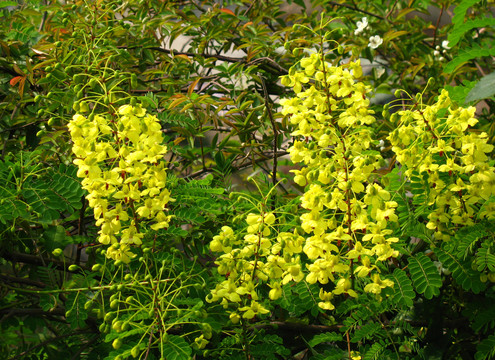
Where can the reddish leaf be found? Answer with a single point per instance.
(227, 11)
(15, 80)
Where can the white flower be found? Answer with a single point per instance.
(361, 25)
(375, 41)
(445, 44)
(436, 53)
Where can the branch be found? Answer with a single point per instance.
(238, 168)
(275, 132)
(265, 63)
(355, 8)
(25, 281)
(298, 327)
(46, 342)
(39, 260)
(208, 56)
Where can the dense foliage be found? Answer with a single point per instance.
(247, 180)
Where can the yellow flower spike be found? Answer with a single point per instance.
(128, 184)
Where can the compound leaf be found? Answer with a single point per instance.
(425, 276)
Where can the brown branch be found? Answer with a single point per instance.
(238, 168)
(48, 341)
(40, 261)
(275, 132)
(10, 279)
(208, 56)
(32, 312)
(288, 326)
(355, 8)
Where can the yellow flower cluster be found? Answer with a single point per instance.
(347, 212)
(120, 157)
(253, 258)
(436, 149)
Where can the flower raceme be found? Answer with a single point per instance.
(436, 149)
(342, 202)
(120, 158)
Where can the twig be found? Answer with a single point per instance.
(355, 8)
(274, 128)
(48, 341)
(25, 281)
(38, 260)
(436, 25)
(219, 57)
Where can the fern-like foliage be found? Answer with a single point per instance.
(461, 271)
(358, 318)
(375, 352)
(403, 292)
(485, 259)
(58, 192)
(481, 315)
(33, 192)
(177, 348)
(467, 240)
(300, 298)
(425, 276)
(486, 349)
(270, 347)
(325, 337)
(371, 330)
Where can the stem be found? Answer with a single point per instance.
(89, 288)
(436, 25)
(348, 345)
(275, 136)
(245, 340)
(355, 8)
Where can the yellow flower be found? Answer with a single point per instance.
(378, 284)
(254, 309)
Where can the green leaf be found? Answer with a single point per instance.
(472, 53)
(302, 297)
(8, 3)
(461, 271)
(48, 302)
(484, 89)
(403, 289)
(459, 93)
(486, 349)
(460, 11)
(485, 259)
(176, 348)
(375, 351)
(425, 276)
(325, 337)
(459, 30)
(75, 312)
(371, 330)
